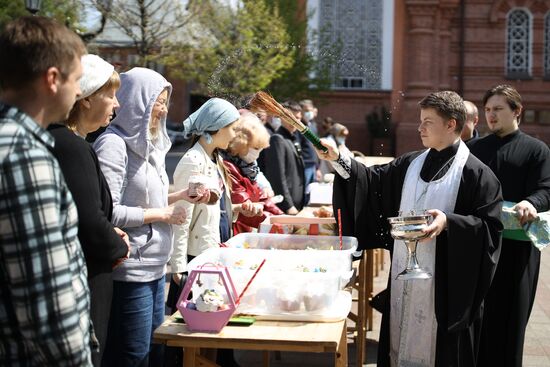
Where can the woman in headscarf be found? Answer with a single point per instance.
(211, 127)
(131, 154)
(240, 160)
(104, 246)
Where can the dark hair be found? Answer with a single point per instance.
(512, 96)
(31, 45)
(448, 105)
(292, 106)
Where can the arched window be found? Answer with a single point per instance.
(518, 47)
(546, 64)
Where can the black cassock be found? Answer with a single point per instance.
(522, 164)
(466, 253)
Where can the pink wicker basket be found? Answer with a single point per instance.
(207, 321)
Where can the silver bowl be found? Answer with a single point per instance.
(408, 228)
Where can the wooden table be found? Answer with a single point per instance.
(262, 335)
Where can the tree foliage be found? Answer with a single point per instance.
(232, 51)
(148, 23)
(311, 70)
(66, 12)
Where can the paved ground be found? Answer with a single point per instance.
(537, 341)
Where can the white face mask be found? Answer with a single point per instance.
(251, 156)
(340, 140)
(308, 116)
(275, 123)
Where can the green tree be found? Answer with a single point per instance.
(66, 12)
(148, 23)
(238, 50)
(310, 73)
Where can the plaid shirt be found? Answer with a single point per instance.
(44, 302)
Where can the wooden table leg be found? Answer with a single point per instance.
(361, 324)
(189, 356)
(369, 288)
(341, 355)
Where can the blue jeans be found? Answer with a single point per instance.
(137, 310)
(309, 174)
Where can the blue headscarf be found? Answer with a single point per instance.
(214, 115)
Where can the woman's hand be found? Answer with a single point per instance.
(202, 197)
(250, 209)
(332, 153)
(268, 193)
(126, 239)
(172, 214)
(175, 214)
(292, 211)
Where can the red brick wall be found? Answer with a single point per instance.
(433, 55)
(350, 109)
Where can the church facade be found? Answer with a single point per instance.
(464, 45)
(391, 53)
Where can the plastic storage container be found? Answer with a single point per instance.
(301, 279)
(327, 246)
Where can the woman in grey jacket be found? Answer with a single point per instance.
(131, 153)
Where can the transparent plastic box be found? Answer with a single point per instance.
(327, 248)
(301, 279)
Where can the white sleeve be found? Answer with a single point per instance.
(342, 166)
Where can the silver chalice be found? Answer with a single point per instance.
(408, 228)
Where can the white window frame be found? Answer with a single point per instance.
(526, 73)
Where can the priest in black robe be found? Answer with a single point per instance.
(466, 238)
(522, 165)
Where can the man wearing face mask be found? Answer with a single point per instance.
(309, 113)
(337, 133)
(273, 124)
(283, 165)
(311, 162)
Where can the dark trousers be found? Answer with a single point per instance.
(101, 295)
(508, 305)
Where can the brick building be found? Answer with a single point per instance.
(467, 46)
(394, 52)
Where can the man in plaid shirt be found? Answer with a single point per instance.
(44, 301)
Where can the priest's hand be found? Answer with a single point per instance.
(438, 224)
(526, 212)
(332, 153)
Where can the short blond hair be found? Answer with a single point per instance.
(113, 83)
(249, 133)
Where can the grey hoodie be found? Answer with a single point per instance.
(133, 165)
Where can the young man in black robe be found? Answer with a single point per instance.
(434, 322)
(522, 164)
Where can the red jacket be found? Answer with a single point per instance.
(243, 189)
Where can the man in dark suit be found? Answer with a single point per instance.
(284, 166)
